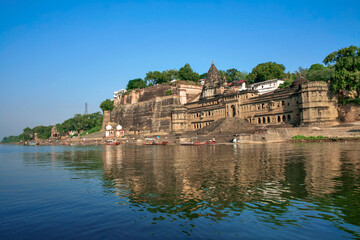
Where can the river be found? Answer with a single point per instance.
(252, 191)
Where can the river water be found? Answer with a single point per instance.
(262, 191)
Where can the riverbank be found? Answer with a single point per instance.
(267, 134)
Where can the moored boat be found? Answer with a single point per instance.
(196, 143)
(112, 142)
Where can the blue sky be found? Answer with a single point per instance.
(57, 55)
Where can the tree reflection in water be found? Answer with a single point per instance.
(216, 182)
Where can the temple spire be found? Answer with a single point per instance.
(213, 78)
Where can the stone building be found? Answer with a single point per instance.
(54, 132)
(192, 107)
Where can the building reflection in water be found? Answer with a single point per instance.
(183, 178)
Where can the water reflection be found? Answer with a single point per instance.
(219, 181)
(270, 185)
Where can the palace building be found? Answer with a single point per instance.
(182, 107)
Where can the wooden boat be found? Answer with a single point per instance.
(153, 142)
(161, 143)
(187, 143)
(112, 142)
(195, 143)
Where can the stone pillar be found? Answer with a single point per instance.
(106, 120)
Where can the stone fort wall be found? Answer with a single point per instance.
(153, 111)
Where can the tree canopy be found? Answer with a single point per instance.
(234, 75)
(136, 83)
(267, 71)
(77, 123)
(186, 73)
(107, 105)
(346, 63)
(80, 122)
(316, 67)
(158, 77)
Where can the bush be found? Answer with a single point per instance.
(301, 137)
(92, 130)
(345, 101)
(168, 92)
(107, 105)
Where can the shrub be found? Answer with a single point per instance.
(301, 137)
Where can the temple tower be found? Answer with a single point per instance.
(213, 83)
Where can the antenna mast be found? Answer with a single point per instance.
(86, 108)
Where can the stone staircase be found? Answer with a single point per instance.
(223, 130)
(94, 136)
(233, 125)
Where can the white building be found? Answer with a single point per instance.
(117, 94)
(266, 86)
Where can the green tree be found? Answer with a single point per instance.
(324, 74)
(136, 83)
(267, 71)
(286, 84)
(316, 67)
(203, 76)
(231, 74)
(10, 139)
(154, 78)
(346, 63)
(186, 73)
(107, 105)
(169, 75)
(28, 134)
(235, 75)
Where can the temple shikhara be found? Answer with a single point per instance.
(181, 107)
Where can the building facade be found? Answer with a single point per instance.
(304, 103)
(184, 107)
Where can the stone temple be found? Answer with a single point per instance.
(184, 107)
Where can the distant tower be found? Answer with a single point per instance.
(86, 108)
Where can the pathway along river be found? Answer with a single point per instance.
(263, 191)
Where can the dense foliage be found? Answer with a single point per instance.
(107, 105)
(186, 73)
(77, 123)
(235, 75)
(158, 77)
(80, 123)
(346, 63)
(136, 83)
(267, 71)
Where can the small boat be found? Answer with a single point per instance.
(195, 143)
(33, 143)
(112, 142)
(201, 143)
(152, 141)
(161, 143)
(187, 143)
